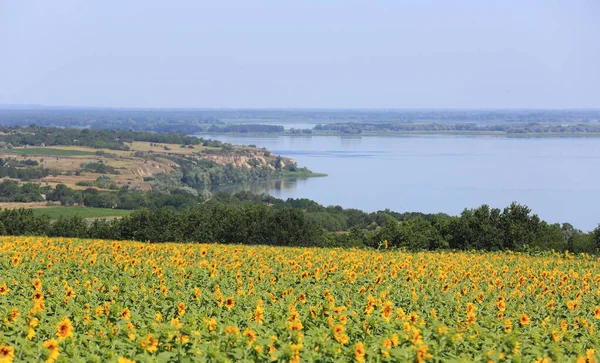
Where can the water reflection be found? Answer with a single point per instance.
(350, 141)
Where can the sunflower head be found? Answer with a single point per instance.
(64, 328)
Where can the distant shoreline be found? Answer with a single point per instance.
(416, 133)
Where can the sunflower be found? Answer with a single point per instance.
(232, 330)
(14, 314)
(302, 298)
(31, 331)
(251, 334)
(359, 352)
(37, 283)
(388, 343)
(229, 303)
(212, 324)
(52, 346)
(176, 323)
(150, 343)
(181, 309)
(259, 313)
(296, 325)
(386, 311)
(422, 354)
(197, 293)
(126, 314)
(64, 328)
(4, 289)
(7, 353)
(524, 319)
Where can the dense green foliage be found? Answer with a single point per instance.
(103, 182)
(251, 219)
(99, 168)
(256, 224)
(111, 139)
(196, 121)
(202, 175)
(185, 121)
(22, 169)
(121, 199)
(11, 191)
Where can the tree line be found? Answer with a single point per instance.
(245, 128)
(35, 135)
(249, 219)
(122, 198)
(529, 128)
(183, 121)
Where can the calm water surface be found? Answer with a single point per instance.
(556, 177)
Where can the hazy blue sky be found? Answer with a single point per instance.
(310, 53)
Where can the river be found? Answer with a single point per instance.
(558, 178)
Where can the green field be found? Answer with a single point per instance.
(46, 151)
(57, 212)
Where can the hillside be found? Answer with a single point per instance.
(125, 161)
(132, 167)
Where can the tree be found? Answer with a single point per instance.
(476, 229)
(520, 229)
(596, 236)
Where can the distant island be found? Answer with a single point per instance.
(536, 123)
(382, 128)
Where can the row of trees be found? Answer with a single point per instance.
(121, 199)
(111, 139)
(257, 224)
(189, 121)
(184, 121)
(11, 191)
(245, 128)
(360, 127)
(513, 228)
(299, 223)
(29, 173)
(484, 228)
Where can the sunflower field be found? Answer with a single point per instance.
(69, 300)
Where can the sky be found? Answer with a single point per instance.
(301, 53)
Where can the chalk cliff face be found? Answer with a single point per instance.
(247, 161)
(246, 157)
(138, 167)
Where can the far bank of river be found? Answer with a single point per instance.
(556, 177)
